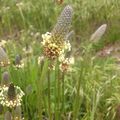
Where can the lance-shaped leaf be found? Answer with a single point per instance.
(63, 24)
(98, 33)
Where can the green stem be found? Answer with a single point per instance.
(77, 97)
(57, 94)
(39, 95)
(49, 97)
(41, 74)
(58, 85)
(13, 114)
(63, 90)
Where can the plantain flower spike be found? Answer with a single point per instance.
(17, 59)
(4, 61)
(11, 92)
(62, 27)
(96, 36)
(18, 62)
(5, 79)
(11, 96)
(55, 43)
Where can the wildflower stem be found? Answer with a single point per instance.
(40, 88)
(0, 72)
(13, 114)
(63, 89)
(59, 94)
(78, 98)
(49, 97)
(57, 87)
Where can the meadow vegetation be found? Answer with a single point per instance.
(54, 66)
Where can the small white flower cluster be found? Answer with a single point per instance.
(52, 49)
(21, 65)
(46, 38)
(57, 49)
(40, 59)
(20, 4)
(66, 63)
(4, 63)
(67, 45)
(2, 43)
(11, 103)
(27, 50)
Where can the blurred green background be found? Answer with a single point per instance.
(16, 15)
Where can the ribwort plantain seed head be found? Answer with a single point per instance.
(5, 79)
(62, 27)
(4, 61)
(17, 59)
(11, 92)
(55, 43)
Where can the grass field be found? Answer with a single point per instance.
(59, 75)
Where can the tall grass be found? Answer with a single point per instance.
(91, 90)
